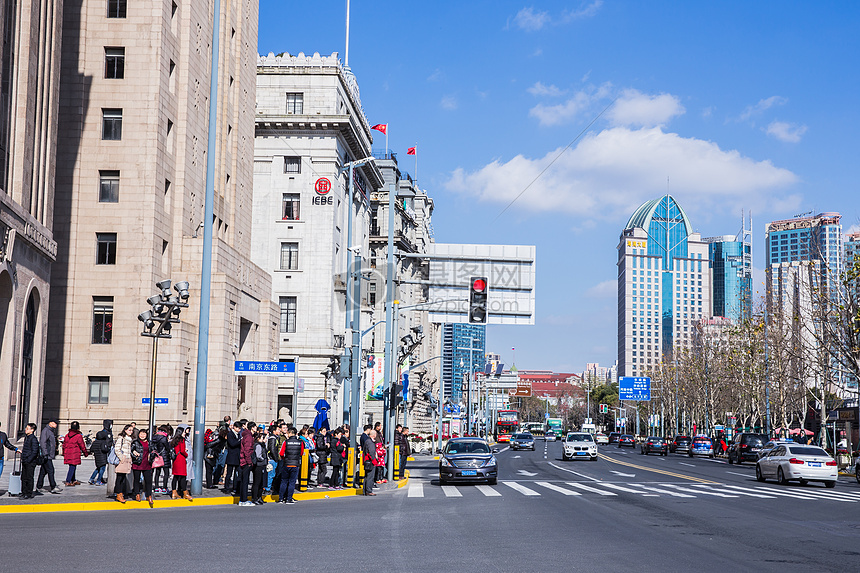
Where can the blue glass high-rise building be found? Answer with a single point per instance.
(458, 342)
(731, 263)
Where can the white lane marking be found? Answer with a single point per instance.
(528, 474)
(573, 472)
(685, 464)
(737, 474)
(520, 488)
(622, 474)
(505, 449)
(451, 491)
(768, 491)
(658, 490)
(824, 494)
(591, 489)
(703, 492)
(416, 490)
(516, 457)
(554, 487)
(488, 491)
(739, 492)
(621, 488)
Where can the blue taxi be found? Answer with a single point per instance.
(702, 446)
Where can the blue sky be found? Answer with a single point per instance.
(729, 106)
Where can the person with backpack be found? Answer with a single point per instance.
(100, 448)
(272, 450)
(180, 466)
(322, 451)
(29, 460)
(48, 443)
(291, 458)
(213, 444)
(74, 449)
(122, 449)
(260, 459)
(162, 458)
(141, 465)
(338, 455)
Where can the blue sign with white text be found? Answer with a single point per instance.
(157, 400)
(634, 388)
(264, 368)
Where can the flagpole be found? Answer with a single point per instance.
(386, 141)
(416, 163)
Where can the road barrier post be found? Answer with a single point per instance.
(359, 483)
(304, 471)
(397, 463)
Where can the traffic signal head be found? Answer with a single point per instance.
(478, 300)
(396, 395)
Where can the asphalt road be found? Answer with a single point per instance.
(623, 512)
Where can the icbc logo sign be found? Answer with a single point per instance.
(323, 186)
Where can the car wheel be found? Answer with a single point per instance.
(830, 484)
(492, 481)
(731, 461)
(594, 459)
(857, 473)
(711, 456)
(780, 477)
(758, 475)
(443, 482)
(740, 462)
(803, 482)
(664, 454)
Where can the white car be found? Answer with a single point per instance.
(549, 436)
(579, 445)
(601, 439)
(797, 462)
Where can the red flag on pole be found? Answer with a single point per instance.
(411, 151)
(383, 127)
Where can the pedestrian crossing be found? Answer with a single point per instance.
(598, 489)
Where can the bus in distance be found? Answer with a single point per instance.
(507, 422)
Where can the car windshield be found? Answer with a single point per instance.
(627, 436)
(523, 437)
(579, 438)
(655, 439)
(682, 438)
(807, 451)
(754, 441)
(467, 448)
(702, 442)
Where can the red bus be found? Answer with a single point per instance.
(507, 422)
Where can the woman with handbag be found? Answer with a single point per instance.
(73, 449)
(141, 465)
(122, 449)
(160, 446)
(180, 467)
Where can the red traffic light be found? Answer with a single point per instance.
(479, 285)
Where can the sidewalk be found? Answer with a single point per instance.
(86, 497)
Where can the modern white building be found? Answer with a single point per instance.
(664, 286)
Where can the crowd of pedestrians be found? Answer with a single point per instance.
(244, 459)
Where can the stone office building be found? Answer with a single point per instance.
(130, 203)
(29, 98)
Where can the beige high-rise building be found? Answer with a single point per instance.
(132, 171)
(30, 39)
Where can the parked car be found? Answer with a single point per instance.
(523, 441)
(745, 447)
(654, 444)
(613, 437)
(601, 438)
(626, 440)
(702, 446)
(468, 459)
(790, 461)
(680, 444)
(579, 445)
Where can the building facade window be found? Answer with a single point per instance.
(289, 256)
(292, 165)
(288, 314)
(105, 248)
(102, 319)
(108, 186)
(295, 104)
(114, 63)
(111, 124)
(116, 8)
(291, 207)
(98, 390)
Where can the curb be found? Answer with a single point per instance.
(403, 482)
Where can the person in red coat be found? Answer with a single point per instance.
(73, 449)
(180, 466)
(246, 447)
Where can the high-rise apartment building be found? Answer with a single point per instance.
(29, 106)
(852, 258)
(664, 285)
(463, 346)
(131, 177)
(810, 238)
(731, 263)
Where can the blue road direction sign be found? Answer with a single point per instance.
(264, 368)
(634, 388)
(157, 401)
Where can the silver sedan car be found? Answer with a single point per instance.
(788, 462)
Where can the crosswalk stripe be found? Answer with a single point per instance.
(488, 491)
(622, 488)
(554, 487)
(769, 491)
(824, 495)
(520, 488)
(659, 490)
(703, 491)
(591, 489)
(739, 492)
(451, 491)
(416, 490)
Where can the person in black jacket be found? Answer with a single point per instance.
(368, 456)
(231, 479)
(5, 444)
(322, 445)
(214, 443)
(291, 458)
(29, 457)
(100, 449)
(336, 447)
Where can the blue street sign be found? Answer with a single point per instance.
(405, 385)
(634, 388)
(157, 401)
(258, 368)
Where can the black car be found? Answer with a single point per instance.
(746, 447)
(680, 444)
(468, 460)
(654, 444)
(524, 441)
(626, 440)
(613, 437)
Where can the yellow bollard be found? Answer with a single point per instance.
(350, 466)
(397, 463)
(304, 471)
(359, 483)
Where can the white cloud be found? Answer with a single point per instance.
(587, 11)
(449, 103)
(787, 132)
(435, 76)
(539, 89)
(633, 108)
(605, 289)
(530, 21)
(763, 105)
(608, 174)
(548, 115)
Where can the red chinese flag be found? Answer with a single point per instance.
(411, 151)
(383, 127)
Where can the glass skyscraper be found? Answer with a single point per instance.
(817, 238)
(458, 341)
(731, 262)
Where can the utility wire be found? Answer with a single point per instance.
(560, 153)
